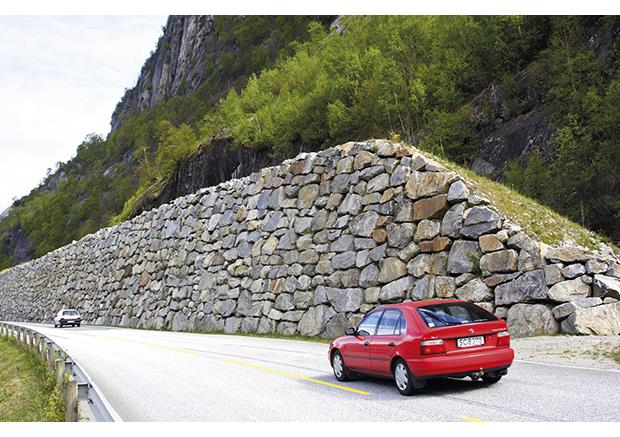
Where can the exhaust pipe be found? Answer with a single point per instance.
(475, 376)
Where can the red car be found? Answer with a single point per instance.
(416, 341)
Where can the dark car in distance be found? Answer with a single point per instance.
(413, 342)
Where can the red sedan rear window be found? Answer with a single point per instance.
(456, 313)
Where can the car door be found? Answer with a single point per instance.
(356, 353)
(390, 332)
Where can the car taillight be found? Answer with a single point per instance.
(503, 338)
(430, 347)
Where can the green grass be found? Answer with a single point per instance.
(27, 390)
(615, 354)
(549, 226)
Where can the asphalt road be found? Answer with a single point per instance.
(171, 376)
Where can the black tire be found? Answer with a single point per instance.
(55, 325)
(78, 325)
(405, 381)
(341, 372)
(491, 378)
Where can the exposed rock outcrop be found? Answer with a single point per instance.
(182, 52)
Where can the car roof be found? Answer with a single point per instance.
(419, 303)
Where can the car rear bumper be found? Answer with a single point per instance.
(461, 364)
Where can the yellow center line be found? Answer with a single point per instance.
(472, 419)
(296, 376)
(252, 366)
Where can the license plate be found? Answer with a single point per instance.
(470, 341)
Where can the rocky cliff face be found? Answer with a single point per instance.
(194, 47)
(216, 161)
(311, 245)
(177, 65)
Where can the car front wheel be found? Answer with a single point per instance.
(406, 383)
(340, 369)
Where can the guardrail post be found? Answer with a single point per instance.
(71, 398)
(60, 373)
(49, 355)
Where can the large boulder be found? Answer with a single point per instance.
(369, 277)
(180, 322)
(553, 273)
(480, 220)
(396, 291)
(574, 270)
(444, 287)
(431, 207)
(566, 291)
(475, 291)
(566, 309)
(606, 286)
(424, 288)
(529, 286)
(598, 320)
(504, 261)
(364, 224)
(391, 269)
(567, 254)
(426, 230)
(457, 192)
(426, 184)
(345, 299)
(452, 221)
(400, 234)
(314, 320)
(527, 320)
(336, 326)
(464, 257)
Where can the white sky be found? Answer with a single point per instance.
(60, 79)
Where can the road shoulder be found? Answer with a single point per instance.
(600, 352)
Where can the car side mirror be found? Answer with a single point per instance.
(350, 331)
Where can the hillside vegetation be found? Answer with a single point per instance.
(413, 78)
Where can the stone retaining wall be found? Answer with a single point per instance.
(309, 246)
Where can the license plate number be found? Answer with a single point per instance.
(470, 341)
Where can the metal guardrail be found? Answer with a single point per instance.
(77, 385)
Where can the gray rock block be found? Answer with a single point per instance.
(530, 286)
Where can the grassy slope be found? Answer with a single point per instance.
(549, 226)
(27, 392)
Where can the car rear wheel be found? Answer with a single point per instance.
(491, 378)
(406, 383)
(340, 369)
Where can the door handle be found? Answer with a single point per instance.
(391, 344)
(365, 343)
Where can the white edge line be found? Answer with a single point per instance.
(568, 367)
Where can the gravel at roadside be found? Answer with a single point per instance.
(588, 351)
